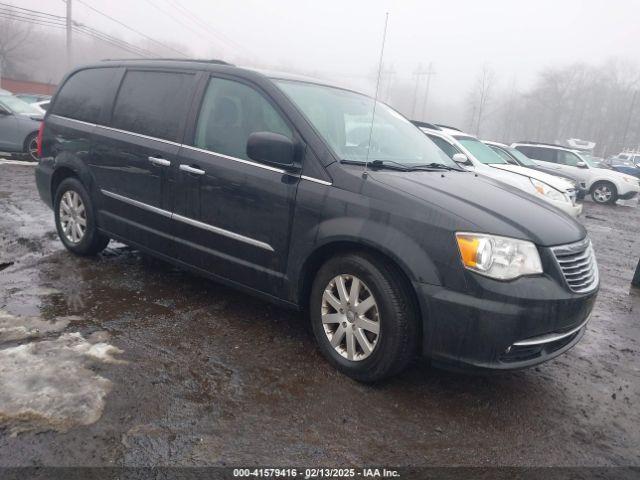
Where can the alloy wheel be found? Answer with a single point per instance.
(32, 149)
(350, 317)
(602, 194)
(73, 216)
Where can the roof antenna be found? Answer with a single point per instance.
(375, 98)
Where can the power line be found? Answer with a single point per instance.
(36, 18)
(132, 29)
(205, 27)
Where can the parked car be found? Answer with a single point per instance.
(633, 156)
(478, 157)
(42, 106)
(623, 166)
(514, 157)
(32, 98)
(5, 92)
(19, 124)
(251, 179)
(605, 186)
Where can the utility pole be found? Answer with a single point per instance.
(69, 46)
(430, 71)
(418, 73)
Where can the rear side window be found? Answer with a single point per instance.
(82, 95)
(537, 153)
(153, 103)
(230, 112)
(445, 146)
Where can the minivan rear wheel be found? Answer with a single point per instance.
(362, 317)
(604, 193)
(75, 219)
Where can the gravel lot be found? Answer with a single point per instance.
(123, 360)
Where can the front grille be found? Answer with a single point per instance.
(572, 194)
(578, 264)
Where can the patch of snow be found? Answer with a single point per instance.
(49, 385)
(14, 327)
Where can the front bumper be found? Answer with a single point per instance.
(573, 209)
(509, 325)
(628, 195)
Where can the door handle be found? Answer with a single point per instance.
(187, 168)
(159, 161)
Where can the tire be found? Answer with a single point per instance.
(396, 342)
(90, 241)
(31, 147)
(604, 193)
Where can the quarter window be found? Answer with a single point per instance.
(83, 94)
(153, 103)
(230, 112)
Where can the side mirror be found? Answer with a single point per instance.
(271, 148)
(461, 158)
(581, 164)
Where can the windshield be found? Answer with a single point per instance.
(343, 119)
(479, 150)
(15, 105)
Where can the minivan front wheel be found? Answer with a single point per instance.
(363, 318)
(604, 193)
(75, 219)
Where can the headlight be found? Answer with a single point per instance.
(548, 191)
(501, 258)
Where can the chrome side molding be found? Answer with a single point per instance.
(190, 221)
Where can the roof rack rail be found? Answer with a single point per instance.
(196, 60)
(448, 126)
(432, 126)
(543, 143)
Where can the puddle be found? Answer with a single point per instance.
(49, 385)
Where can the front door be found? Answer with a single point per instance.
(233, 215)
(133, 155)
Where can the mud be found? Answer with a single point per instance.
(213, 377)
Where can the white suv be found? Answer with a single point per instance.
(474, 155)
(605, 186)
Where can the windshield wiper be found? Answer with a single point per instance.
(401, 167)
(435, 165)
(389, 164)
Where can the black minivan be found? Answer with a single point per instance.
(282, 187)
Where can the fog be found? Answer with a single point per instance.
(340, 41)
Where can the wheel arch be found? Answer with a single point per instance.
(66, 167)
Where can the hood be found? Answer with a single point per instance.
(484, 205)
(633, 171)
(556, 182)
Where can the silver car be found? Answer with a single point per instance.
(19, 124)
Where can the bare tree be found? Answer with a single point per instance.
(14, 37)
(480, 97)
